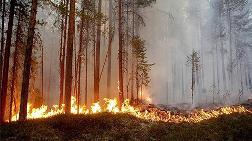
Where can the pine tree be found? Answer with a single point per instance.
(27, 61)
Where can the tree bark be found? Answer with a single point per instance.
(2, 43)
(110, 49)
(120, 54)
(97, 56)
(132, 54)
(6, 60)
(69, 58)
(86, 62)
(27, 62)
(80, 56)
(62, 60)
(14, 67)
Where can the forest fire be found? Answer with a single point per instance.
(152, 114)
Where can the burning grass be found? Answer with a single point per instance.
(142, 122)
(140, 111)
(109, 126)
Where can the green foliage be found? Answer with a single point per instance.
(143, 67)
(193, 60)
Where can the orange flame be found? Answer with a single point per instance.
(111, 105)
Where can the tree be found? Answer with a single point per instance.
(80, 54)
(64, 18)
(193, 61)
(69, 57)
(27, 61)
(18, 45)
(111, 34)
(97, 55)
(6, 60)
(2, 41)
(120, 53)
(143, 68)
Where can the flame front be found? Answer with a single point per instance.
(152, 114)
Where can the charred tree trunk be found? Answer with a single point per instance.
(97, 56)
(6, 60)
(69, 57)
(27, 62)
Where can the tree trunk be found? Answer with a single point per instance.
(27, 62)
(42, 74)
(97, 56)
(2, 43)
(62, 60)
(86, 62)
(127, 49)
(79, 57)
(6, 60)
(69, 57)
(230, 43)
(193, 81)
(14, 67)
(109, 49)
(120, 54)
(132, 50)
(49, 82)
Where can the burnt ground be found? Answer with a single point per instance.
(107, 126)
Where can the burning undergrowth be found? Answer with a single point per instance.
(142, 111)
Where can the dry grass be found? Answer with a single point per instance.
(107, 126)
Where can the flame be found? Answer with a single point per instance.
(96, 108)
(152, 114)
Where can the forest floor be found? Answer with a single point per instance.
(106, 126)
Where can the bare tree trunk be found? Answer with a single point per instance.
(193, 80)
(42, 74)
(127, 49)
(69, 57)
(120, 54)
(132, 54)
(109, 49)
(14, 67)
(2, 43)
(27, 62)
(86, 62)
(214, 85)
(97, 56)
(75, 72)
(62, 60)
(49, 83)
(79, 57)
(183, 85)
(230, 42)
(6, 60)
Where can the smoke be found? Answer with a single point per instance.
(173, 29)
